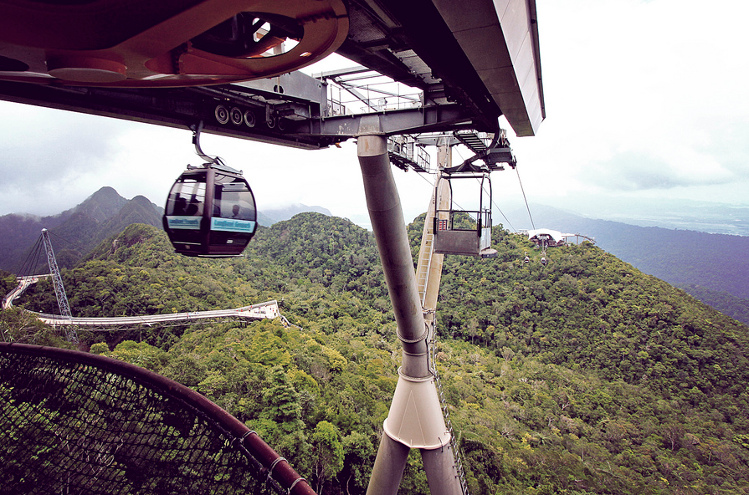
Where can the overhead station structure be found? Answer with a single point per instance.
(418, 69)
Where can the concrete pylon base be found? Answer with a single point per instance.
(415, 417)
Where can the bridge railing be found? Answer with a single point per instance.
(266, 310)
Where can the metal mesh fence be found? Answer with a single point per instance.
(74, 423)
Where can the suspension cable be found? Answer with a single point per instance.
(525, 199)
(425, 179)
(80, 247)
(503, 216)
(33, 259)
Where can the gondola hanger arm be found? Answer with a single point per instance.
(212, 161)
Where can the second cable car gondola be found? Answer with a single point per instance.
(464, 231)
(210, 210)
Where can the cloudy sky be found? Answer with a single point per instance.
(646, 101)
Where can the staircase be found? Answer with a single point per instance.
(472, 140)
(445, 410)
(423, 265)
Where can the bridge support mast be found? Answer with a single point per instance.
(62, 300)
(415, 419)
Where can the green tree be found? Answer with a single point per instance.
(328, 453)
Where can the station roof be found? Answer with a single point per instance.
(553, 234)
(109, 56)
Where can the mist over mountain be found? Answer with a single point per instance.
(75, 231)
(667, 213)
(271, 216)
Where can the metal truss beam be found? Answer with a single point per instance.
(433, 118)
(288, 111)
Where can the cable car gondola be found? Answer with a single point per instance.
(210, 210)
(464, 232)
(469, 231)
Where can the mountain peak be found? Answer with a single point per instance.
(106, 192)
(101, 205)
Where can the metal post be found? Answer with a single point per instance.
(388, 467)
(62, 299)
(415, 419)
(389, 229)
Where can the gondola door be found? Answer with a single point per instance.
(184, 213)
(233, 216)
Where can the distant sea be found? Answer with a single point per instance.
(730, 226)
(700, 216)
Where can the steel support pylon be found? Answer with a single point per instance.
(62, 300)
(415, 419)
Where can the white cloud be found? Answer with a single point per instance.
(640, 96)
(643, 99)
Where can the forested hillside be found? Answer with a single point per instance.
(703, 264)
(584, 376)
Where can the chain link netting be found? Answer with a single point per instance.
(71, 427)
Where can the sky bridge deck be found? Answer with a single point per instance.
(266, 310)
(23, 284)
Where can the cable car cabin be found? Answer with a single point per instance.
(464, 231)
(210, 212)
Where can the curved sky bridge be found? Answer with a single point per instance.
(266, 310)
(23, 284)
